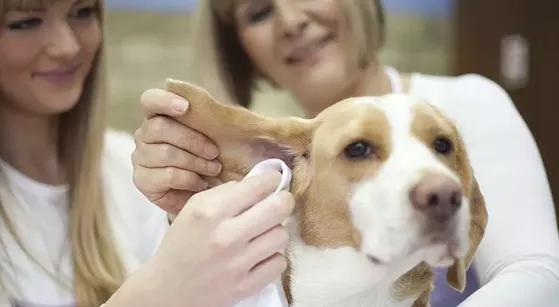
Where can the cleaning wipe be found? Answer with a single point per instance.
(272, 295)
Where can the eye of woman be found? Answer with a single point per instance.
(258, 13)
(25, 23)
(83, 12)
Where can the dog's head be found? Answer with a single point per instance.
(388, 176)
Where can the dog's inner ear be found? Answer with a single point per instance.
(263, 149)
(239, 155)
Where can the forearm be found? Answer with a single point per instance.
(142, 289)
(528, 282)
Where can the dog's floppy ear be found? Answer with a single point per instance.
(244, 138)
(456, 274)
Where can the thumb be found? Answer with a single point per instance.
(156, 102)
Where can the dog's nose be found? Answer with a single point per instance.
(438, 196)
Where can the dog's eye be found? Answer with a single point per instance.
(442, 145)
(358, 150)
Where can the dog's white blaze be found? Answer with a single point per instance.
(380, 205)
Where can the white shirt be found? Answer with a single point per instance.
(518, 259)
(40, 213)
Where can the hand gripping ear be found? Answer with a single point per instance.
(244, 138)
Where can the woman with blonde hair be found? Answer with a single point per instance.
(73, 226)
(323, 51)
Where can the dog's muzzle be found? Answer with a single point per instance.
(436, 198)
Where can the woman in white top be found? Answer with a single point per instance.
(323, 51)
(72, 224)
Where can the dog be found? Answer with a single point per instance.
(383, 187)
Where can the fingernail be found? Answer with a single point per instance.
(214, 167)
(179, 105)
(211, 150)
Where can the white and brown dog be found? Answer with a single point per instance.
(384, 192)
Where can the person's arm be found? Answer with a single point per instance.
(224, 246)
(518, 259)
(142, 289)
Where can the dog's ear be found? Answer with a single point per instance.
(244, 138)
(456, 274)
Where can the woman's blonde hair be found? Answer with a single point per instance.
(227, 70)
(98, 271)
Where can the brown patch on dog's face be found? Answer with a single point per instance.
(335, 166)
(438, 132)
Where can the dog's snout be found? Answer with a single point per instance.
(437, 196)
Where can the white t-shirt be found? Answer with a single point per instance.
(40, 213)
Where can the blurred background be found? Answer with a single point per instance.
(513, 42)
(148, 41)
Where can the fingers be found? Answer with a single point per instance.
(161, 129)
(264, 273)
(243, 195)
(264, 216)
(167, 155)
(266, 245)
(155, 182)
(159, 102)
(173, 201)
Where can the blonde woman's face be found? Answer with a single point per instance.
(299, 44)
(46, 55)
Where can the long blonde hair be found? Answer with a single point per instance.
(98, 271)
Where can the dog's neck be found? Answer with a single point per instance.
(344, 277)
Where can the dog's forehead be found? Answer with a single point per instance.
(353, 114)
(400, 110)
(389, 121)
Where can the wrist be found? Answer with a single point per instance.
(141, 289)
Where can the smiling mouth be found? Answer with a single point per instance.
(62, 76)
(58, 73)
(302, 53)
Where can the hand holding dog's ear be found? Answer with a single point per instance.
(170, 158)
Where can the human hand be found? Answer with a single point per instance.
(170, 157)
(221, 249)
